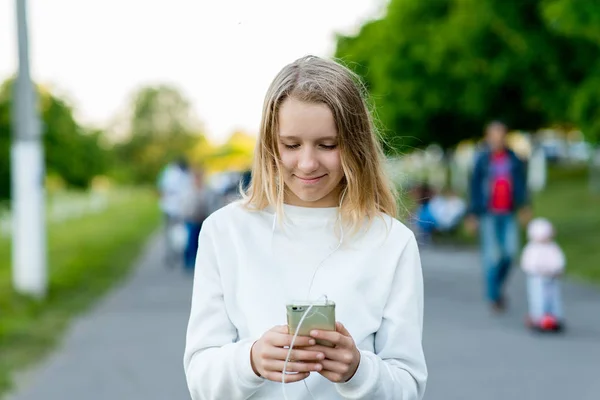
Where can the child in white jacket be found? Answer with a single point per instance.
(544, 262)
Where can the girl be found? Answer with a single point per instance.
(543, 261)
(317, 220)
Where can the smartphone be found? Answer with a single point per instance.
(321, 316)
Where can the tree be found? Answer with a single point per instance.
(70, 151)
(235, 154)
(580, 21)
(160, 128)
(438, 70)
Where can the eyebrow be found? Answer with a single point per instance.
(291, 137)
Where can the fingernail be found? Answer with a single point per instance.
(312, 342)
(318, 367)
(314, 333)
(320, 356)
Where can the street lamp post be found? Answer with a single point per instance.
(27, 177)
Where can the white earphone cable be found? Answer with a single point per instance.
(289, 353)
(287, 359)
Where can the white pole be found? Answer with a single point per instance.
(27, 174)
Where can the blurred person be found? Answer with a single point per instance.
(172, 183)
(447, 210)
(423, 221)
(544, 262)
(197, 206)
(318, 219)
(498, 198)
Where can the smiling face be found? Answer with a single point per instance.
(316, 142)
(310, 154)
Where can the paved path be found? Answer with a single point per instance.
(473, 354)
(130, 346)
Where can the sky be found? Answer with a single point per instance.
(221, 54)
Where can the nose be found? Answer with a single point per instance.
(307, 161)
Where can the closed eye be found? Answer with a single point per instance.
(328, 146)
(322, 146)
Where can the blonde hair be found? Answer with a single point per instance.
(366, 192)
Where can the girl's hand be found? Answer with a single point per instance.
(341, 361)
(268, 356)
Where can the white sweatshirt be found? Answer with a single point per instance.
(544, 259)
(249, 266)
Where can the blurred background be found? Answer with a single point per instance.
(124, 89)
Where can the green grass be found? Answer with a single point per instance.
(86, 256)
(575, 212)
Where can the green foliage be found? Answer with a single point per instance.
(438, 70)
(70, 151)
(580, 21)
(573, 18)
(160, 129)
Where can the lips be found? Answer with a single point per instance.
(310, 180)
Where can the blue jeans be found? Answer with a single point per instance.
(499, 246)
(191, 248)
(544, 297)
(172, 254)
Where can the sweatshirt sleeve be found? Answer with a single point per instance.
(397, 369)
(217, 365)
